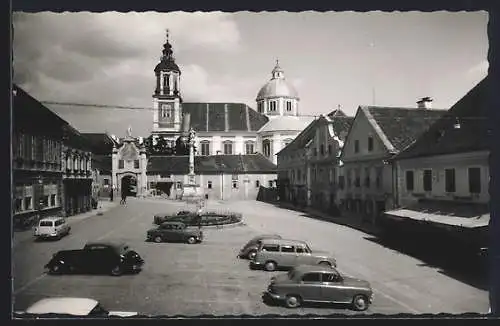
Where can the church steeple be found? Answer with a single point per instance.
(167, 72)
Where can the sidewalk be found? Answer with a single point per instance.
(104, 206)
(347, 219)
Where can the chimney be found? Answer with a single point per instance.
(186, 123)
(425, 103)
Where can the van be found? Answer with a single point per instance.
(275, 254)
(51, 227)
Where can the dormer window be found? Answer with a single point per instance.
(272, 106)
(289, 106)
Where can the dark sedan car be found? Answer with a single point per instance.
(319, 284)
(250, 249)
(96, 257)
(160, 218)
(175, 231)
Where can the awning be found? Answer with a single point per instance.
(445, 219)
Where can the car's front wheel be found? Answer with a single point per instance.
(158, 239)
(360, 302)
(55, 269)
(191, 240)
(292, 301)
(117, 271)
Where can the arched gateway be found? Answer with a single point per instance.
(129, 167)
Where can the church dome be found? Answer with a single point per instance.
(286, 123)
(277, 86)
(167, 61)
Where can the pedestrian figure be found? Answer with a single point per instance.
(124, 199)
(111, 195)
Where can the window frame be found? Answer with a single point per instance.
(424, 174)
(407, 184)
(228, 144)
(450, 180)
(478, 180)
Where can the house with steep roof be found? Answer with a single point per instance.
(221, 177)
(376, 135)
(307, 167)
(442, 178)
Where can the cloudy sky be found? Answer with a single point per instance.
(331, 58)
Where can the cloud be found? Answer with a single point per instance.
(109, 57)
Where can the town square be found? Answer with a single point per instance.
(193, 174)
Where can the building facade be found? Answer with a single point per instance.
(77, 175)
(443, 178)
(221, 177)
(129, 163)
(102, 148)
(36, 158)
(376, 135)
(308, 167)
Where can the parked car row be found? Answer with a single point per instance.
(312, 275)
(194, 219)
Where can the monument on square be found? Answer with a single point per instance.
(191, 191)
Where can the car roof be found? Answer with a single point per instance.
(52, 218)
(117, 245)
(266, 236)
(63, 305)
(314, 269)
(284, 242)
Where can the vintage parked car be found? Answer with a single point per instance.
(96, 257)
(51, 227)
(250, 249)
(72, 306)
(281, 253)
(175, 231)
(323, 284)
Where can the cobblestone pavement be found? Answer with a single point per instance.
(207, 278)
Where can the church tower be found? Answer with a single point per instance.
(167, 98)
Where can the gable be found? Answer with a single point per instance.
(301, 140)
(360, 130)
(129, 152)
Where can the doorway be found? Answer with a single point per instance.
(129, 186)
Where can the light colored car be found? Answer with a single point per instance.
(308, 283)
(74, 307)
(282, 253)
(250, 248)
(52, 227)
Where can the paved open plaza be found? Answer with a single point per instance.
(207, 278)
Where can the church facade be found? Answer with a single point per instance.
(236, 146)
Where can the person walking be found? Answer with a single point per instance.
(124, 199)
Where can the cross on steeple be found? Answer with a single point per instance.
(167, 33)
